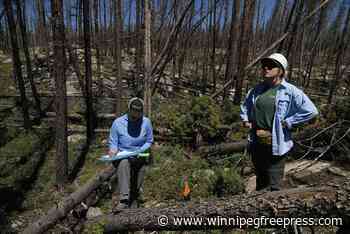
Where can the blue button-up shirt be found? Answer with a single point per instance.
(119, 138)
(292, 107)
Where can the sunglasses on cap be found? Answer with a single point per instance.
(269, 64)
(136, 108)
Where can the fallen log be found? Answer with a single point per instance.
(330, 201)
(239, 146)
(68, 203)
(223, 148)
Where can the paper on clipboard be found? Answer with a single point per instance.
(120, 155)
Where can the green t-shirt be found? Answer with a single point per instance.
(264, 109)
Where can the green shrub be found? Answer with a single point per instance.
(163, 180)
(228, 182)
(16, 152)
(230, 112)
(185, 119)
(342, 108)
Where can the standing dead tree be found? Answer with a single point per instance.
(42, 26)
(97, 39)
(148, 59)
(61, 96)
(231, 43)
(243, 47)
(338, 61)
(23, 28)
(88, 71)
(17, 62)
(118, 32)
(163, 57)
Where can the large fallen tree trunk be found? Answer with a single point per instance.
(223, 148)
(329, 201)
(68, 203)
(239, 146)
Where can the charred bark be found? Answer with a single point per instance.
(338, 61)
(17, 62)
(243, 48)
(231, 43)
(27, 57)
(327, 201)
(61, 97)
(118, 54)
(223, 148)
(88, 71)
(148, 59)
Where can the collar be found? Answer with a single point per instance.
(284, 83)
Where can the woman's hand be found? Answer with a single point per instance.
(247, 124)
(112, 152)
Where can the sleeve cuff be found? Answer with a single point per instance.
(244, 118)
(288, 123)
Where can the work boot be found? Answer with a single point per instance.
(122, 205)
(134, 204)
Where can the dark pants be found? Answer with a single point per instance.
(269, 169)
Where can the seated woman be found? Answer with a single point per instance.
(130, 132)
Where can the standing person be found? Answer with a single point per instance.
(131, 132)
(271, 109)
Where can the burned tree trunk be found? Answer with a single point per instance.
(118, 54)
(61, 97)
(315, 46)
(97, 38)
(291, 14)
(138, 41)
(148, 59)
(339, 59)
(213, 28)
(231, 43)
(313, 202)
(17, 62)
(243, 47)
(27, 57)
(88, 72)
(41, 27)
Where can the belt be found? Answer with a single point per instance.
(263, 136)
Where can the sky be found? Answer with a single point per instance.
(267, 7)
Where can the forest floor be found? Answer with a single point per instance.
(171, 164)
(43, 195)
